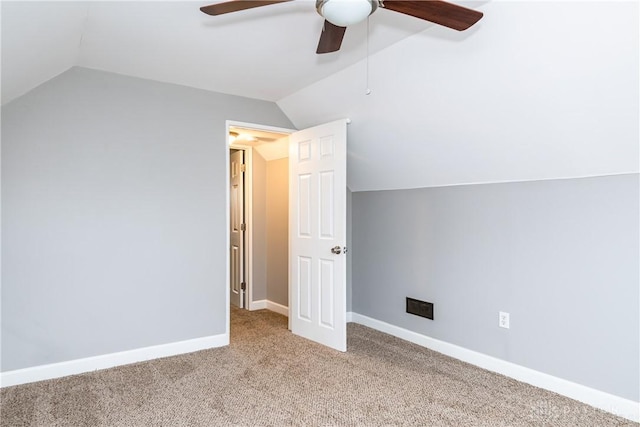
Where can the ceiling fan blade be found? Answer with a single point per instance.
(330, 38)
(236, 5)
(440, 12)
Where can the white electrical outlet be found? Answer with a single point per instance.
(503, 320)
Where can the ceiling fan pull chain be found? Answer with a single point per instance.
(368, 91)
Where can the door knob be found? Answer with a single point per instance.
(336, 250)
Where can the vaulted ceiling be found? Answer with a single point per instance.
(265, 53)
(536, 90)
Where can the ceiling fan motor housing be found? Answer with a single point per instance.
(345, 12)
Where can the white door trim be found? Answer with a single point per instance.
(248, 208)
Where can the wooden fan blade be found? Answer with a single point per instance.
(236, 5)
(440, 12)
(330, 38)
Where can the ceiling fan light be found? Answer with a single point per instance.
(345, 12)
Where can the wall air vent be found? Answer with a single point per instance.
(420, 308)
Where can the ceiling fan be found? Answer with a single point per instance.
(339, 14)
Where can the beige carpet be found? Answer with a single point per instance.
(269, 377)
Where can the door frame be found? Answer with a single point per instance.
(248, 197)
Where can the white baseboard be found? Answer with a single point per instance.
(89, 364)
(278, 308)
(607, 402)
(269, 305)
(258, 305)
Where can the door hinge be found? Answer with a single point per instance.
(243, 168)
(243, 227)
(243, 286)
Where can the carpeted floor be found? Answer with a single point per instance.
(269, 377)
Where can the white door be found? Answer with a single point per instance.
(236, 257)
(317, 216)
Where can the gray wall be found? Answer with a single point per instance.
(259, 233)
(560, 256)
(278, 231)
(113, 221)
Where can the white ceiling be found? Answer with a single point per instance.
(536, 90)
(270, 145)
(264, 53)
(39, 41)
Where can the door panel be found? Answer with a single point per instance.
(304, 288)
(317, 168)
(304, 205)
(326, 205)
(327, 285)
(236, 193)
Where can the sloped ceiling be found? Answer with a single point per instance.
(39, 41)
(536, 90)
(539, 90)
(264, 53)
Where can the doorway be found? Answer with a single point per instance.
(258, 217)
(315, 235)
